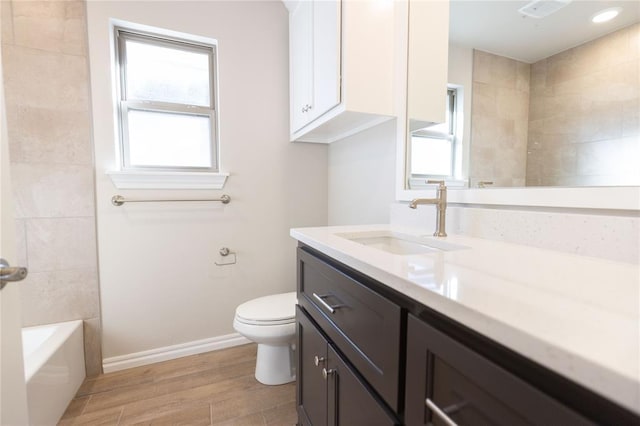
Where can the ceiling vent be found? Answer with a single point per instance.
(543, 8)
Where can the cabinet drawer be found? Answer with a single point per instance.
(468, 388)
(362, 324)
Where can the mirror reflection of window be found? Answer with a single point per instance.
(435, 149)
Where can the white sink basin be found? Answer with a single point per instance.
(397, 243)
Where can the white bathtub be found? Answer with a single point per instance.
(53, 369)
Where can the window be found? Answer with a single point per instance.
(434, 149)
(166, 103)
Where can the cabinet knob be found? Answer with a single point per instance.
(326, 373)
(318, 360)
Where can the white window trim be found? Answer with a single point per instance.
(127, 179)
(163, 179)
(419, 181)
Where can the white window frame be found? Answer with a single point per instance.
(125, 104)
(417, 180)
(164, 177)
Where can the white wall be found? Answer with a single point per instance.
(362, 176)
(159, 284)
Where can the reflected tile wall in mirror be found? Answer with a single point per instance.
(584, 124)
(572, 119)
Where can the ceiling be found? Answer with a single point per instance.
(497, 26)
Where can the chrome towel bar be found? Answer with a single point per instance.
(118, 200)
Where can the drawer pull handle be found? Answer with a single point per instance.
(326, 373)
(327, 306)
(437, 411)
(318, 360)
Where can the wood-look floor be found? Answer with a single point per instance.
(214, 388)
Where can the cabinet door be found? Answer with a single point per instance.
(326, 57)
(301, 63)
(445, 379)
(350, 402)
(311, 386)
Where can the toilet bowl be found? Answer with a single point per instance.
(270, 322)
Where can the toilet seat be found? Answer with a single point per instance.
(271, 310)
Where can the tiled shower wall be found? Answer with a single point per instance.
(44, 55)
(500, 105)
(568, 120)
(584, 126)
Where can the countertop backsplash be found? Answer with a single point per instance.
(605, 236)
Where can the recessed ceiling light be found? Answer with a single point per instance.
(606, 15)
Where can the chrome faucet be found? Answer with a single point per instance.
(441, 206)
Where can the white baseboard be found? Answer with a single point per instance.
(137, 359)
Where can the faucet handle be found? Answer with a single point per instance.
(440, 182)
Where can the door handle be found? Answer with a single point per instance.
(10, 273)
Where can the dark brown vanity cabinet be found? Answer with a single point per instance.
(447, 383)
(329, 391)
(368, 355)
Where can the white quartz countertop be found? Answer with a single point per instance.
(576, 315)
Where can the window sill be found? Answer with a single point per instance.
(167, 180)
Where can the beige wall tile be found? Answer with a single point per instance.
(47, 96)
(561, 68)
(56, 26)
(503, 72)
(523, 76)
(634, 39)
(61, 243)
(512, 104)
(53, 190)
(631, 118)
(50, 297)
(7, 22)
(604, 52)
(618, 157)
(484, 100)
(534, 168)
(42, 9)
(50, 34)
(503, 133)
(49, 135)
(46, 80)
(93, 346)
(601, 120)
(21, 243)
(560, 161)
(537, 103)
(590, 93)
(481, 67)
(538, 75)
(559, 125)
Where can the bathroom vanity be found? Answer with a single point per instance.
(398, 328)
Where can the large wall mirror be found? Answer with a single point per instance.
(539, 96)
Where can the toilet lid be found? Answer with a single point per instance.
(274, 308)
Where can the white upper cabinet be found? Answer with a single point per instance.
(314, 53)
(427, 62)
(342, 67)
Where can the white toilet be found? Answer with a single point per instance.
(270, 322)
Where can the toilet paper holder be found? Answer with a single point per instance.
(224, 252)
